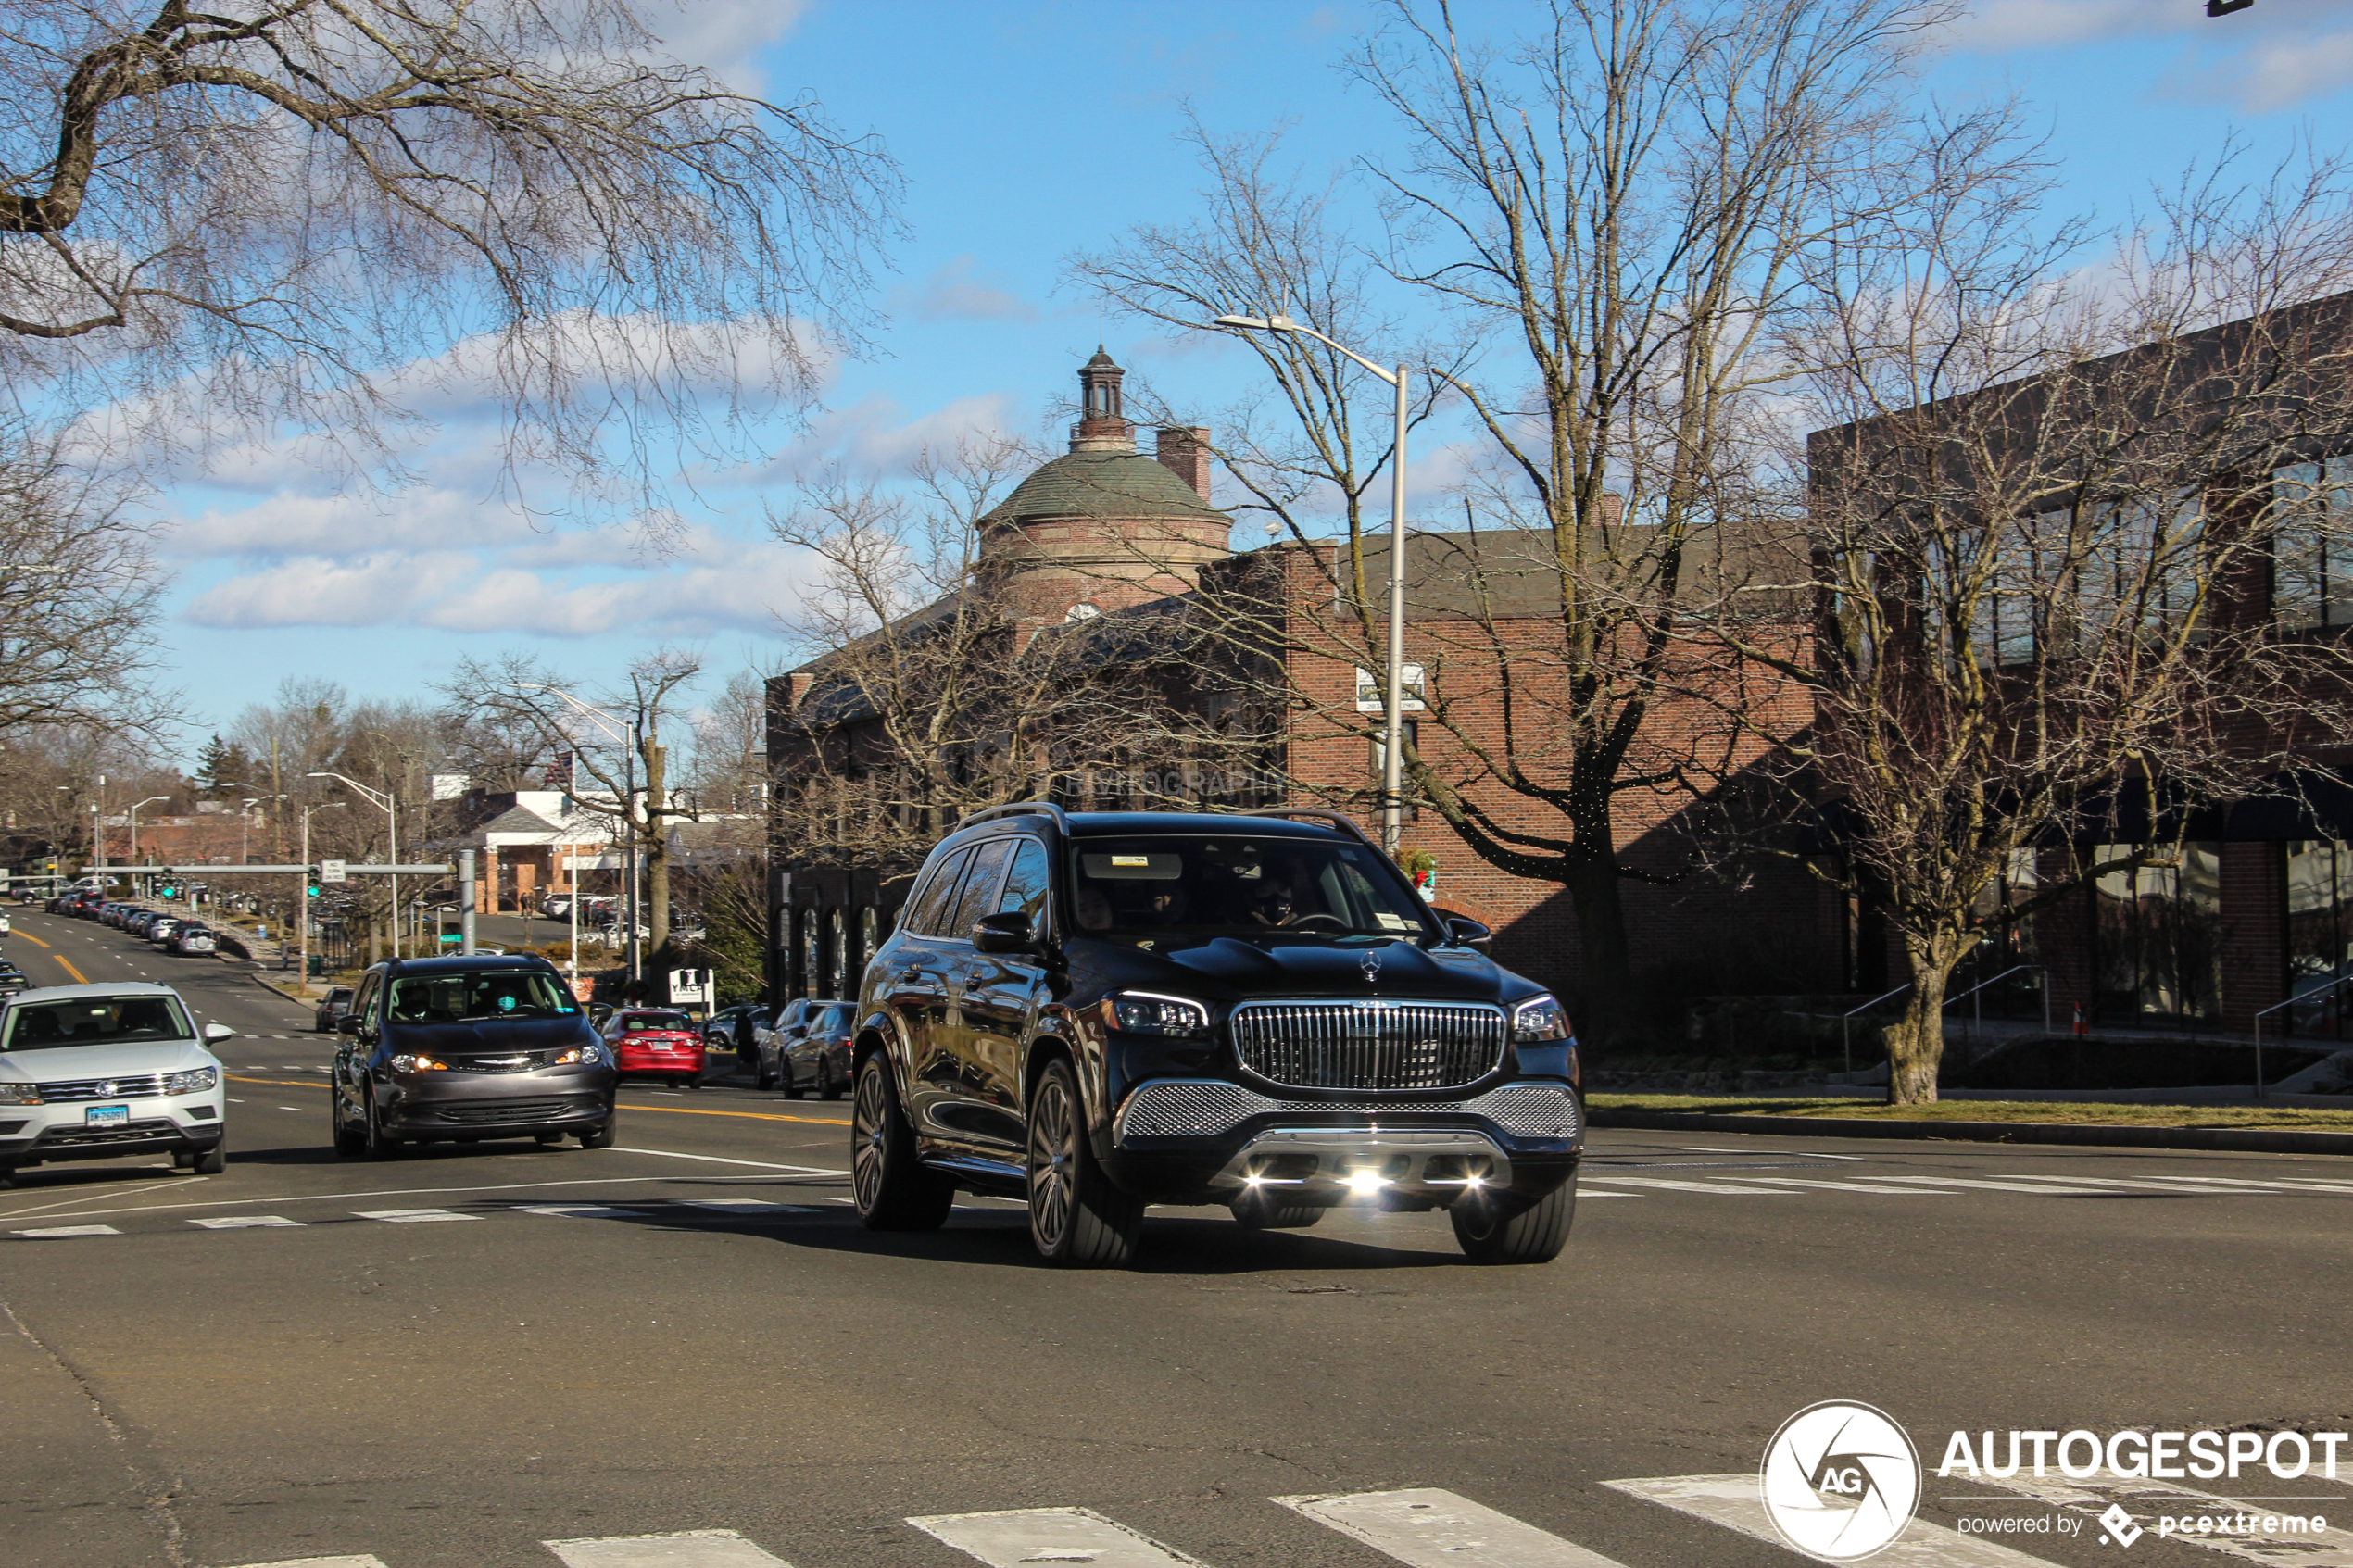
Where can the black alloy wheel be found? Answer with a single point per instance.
(1507, 1227)
(603, 1133)
(787, 1081)
(888, 1181)
(378, 1144)
(828, 1086)
(347, 1139)
(1077, 1217)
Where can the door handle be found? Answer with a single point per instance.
(913, 972)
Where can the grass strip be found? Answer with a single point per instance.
(2070, 1112)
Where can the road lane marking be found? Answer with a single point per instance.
(1429, 1528)
(1690, 1186)
(1847, 1187)
(2009, 1186)
(2091, 1495)
(744, 1206)
(690, 1549)
(1731, 1501)
(1020, 1536)
(746, 1115)
(720, 1160)
(32, 938)
(409, 1192)
(67, 963)
(1810, 1154)
(363, 1561)
(95, 1197)
(411, 1216)
(71, 1230)
(572, 1210)
(244, 1221)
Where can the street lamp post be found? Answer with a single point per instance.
(134, 831)
(629, 740)
(1392, 804)
(302, 898)
(382, 802)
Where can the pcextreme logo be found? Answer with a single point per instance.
(1840, 1481)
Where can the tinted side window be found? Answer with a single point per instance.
(980, 886)
(931, 903)
(1025, 883)
(367, 999)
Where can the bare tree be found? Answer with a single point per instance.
(322, 211)
(629, 770)
(2069, 535)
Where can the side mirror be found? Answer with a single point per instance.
(347, 1024)
(217, 1031)
(1466, 932)
(1007, 933)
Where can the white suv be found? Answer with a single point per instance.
(99, 1071)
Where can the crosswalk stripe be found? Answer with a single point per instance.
(1687, 1187)
(362, 1560)
(1014, 1536)
(244, 1221)
(688, 1549)
(2328, 1547)
(49, 1231)
(2045, 1190)
(409, 1216)
(1430, 1529)
(746, 1205)
(572, 1211)
(2283, 1185)
(1731, 1501)
(1844, 1187)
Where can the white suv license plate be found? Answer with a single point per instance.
(107, 1115)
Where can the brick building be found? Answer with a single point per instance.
(1117, 540)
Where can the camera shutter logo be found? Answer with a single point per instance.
(1840, 1481)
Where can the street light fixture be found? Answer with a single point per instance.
(1393, 806)
(382, 802)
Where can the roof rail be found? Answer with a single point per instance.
(1343, 819)
(1020, 809)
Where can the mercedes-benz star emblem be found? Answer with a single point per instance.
(1370, 964)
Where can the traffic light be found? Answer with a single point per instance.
(311, 889)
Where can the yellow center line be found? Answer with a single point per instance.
(69, 969)
(32, 938)
(631, 1105)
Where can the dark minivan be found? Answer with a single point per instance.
(1095, 1011)
(467, 1048)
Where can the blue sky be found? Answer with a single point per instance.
(1028, 130)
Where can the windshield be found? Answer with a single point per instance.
(488, 993)
(1239, 885)
(636, 1021)
(94, 1020)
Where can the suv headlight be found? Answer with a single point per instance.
(418, 1063)
(19, 1094)
(579, 1056)
(1142, 1012)
(1539, 1018)
(196, 1080)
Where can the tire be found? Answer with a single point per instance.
(889, 1184)
(1259, 1215)
(376, 1142)
(211, 1161)
(183, 1158)
(1508, 1228)
(603, 1133)
(547, 1140)
(828, 1086)
(762, 1077)
(1076, 1218)
(347, 1140)
(787, 1081)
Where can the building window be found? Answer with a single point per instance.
(2007, 958)
(837, 943)
(2320, 935)
(811, 970)
(869, 938)
(2311, 559)
(2158, 938)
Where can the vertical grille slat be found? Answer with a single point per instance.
(1374, 1045)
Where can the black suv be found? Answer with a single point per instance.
(1099, 1011)
(467, 1048)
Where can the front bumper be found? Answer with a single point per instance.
(494, 1105)
(1211, 1140)
(36, 1135)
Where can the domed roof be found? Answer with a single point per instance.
(1100, 483)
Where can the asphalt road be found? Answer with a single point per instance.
(689, 1333)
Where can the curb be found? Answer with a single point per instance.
(2253, 1140)
(305, 1001)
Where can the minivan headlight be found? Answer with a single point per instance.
(1141, 1012)
(19, 1094)
(417, 1061)
(579, 1056)
(196, 1080)
(1539, 1018)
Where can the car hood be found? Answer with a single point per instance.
(1232, 968)
(132, 1058)
(494, 1035)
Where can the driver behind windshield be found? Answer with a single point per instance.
(482, 994)
(1241, 885)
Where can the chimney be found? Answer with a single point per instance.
(1186, 450)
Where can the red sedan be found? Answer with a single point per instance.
(656, 1042)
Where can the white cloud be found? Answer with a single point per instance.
(871, 437)
(2034, 24)
(723, 36)
(2276, 54)
(309, 590)
(954, 293)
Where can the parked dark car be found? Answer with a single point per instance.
(466, 1049)
(772, 1040)
(338, 1003)
(12, 979)
(1098, 1011)
(734, 1031)
(816, 1056)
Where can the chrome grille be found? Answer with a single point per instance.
(1368, 1044)
(143, 1085)
(1203, 1107)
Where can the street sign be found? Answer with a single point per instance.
(330, 870)
(451, 938)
